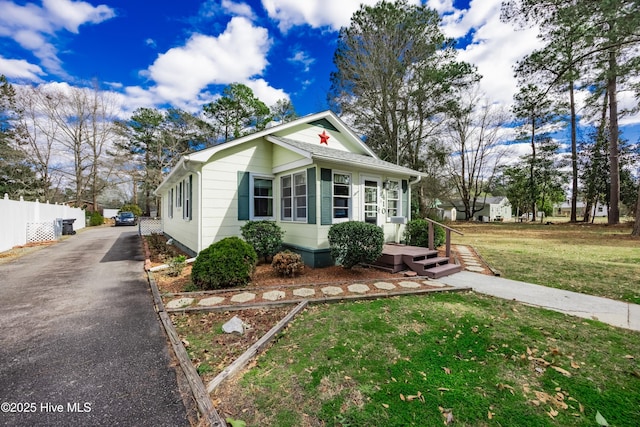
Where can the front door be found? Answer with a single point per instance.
(371, 200)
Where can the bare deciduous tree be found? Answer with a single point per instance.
(474, 134)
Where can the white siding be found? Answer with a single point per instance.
(183, 230)
(220, 188)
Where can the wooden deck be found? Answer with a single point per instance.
(425, 262)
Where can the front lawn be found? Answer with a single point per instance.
(592, 259)
(462, 359)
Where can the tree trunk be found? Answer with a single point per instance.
(636, 225)
(614, 198)
(574, 158)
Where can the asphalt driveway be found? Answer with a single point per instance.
(80, 342)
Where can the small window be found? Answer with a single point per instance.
(262, 197)
(393, 199)
(341, 197)
(170, 204)
(186, 208)
(179, 198)
(294, 197)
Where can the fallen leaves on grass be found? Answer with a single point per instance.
(447, 413)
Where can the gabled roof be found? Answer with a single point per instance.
(320, 152)
(204, 155)
(365, 156)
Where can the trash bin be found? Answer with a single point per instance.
(67, 227)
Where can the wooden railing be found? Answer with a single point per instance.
(447, 231)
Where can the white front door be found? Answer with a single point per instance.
(371, 200)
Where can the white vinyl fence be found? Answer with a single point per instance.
(26, 222)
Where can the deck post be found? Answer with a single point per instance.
(448, 243)
(431, 232)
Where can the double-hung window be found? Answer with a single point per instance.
(393, 199)
(262, 194)
(170, 204)
(186, 208)
(294, 197)
(341, 197)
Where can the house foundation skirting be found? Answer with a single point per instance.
(312, 257)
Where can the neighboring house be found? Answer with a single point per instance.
(491, 209)
(564, 209)
(306, 175)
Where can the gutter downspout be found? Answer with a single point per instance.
(417, 180)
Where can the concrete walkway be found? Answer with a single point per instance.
(615, 313)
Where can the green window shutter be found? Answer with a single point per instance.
(311, 196)
(405, 198)
(243, 195)
(326, 217)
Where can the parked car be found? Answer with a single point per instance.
(126, 218)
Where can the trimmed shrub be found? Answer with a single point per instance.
(225, 264)
(416, 233)
(95, 219)
(287, 263)
(355, 242)
(176, 265)
(135, 209)
(264, 236)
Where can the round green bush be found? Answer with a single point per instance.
(135, 209)
(227, 263)
(95, 219)
(355, 242)
(416, 233)
(265, 237)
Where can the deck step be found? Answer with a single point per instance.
(442, 270)
(432, 262)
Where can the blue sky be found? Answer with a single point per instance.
(182, 53)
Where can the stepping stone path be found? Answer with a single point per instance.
(304, 292)
(243, 297)
(211, 301)
(410, 285)
(273, 295)
(358, 288)
(385, 286)
(331, 290)
(180, 303)
(434, 284)
(470, 261)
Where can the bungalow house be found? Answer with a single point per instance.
(564, 209)
(306, 175)
(491, 209)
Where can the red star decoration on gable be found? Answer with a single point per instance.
(324, 138)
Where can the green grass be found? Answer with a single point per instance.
(410, 361)
(592, 259)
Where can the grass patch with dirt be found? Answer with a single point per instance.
(591, 259)
(445, 358)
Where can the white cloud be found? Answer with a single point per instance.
(20, 69)
(238, 9)
(440, 5)
(334, 14)
(303, 59)
(265, 93)
(33, 27)
(182, 74)
(315, 13)
(495, 46)
(71, 14)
